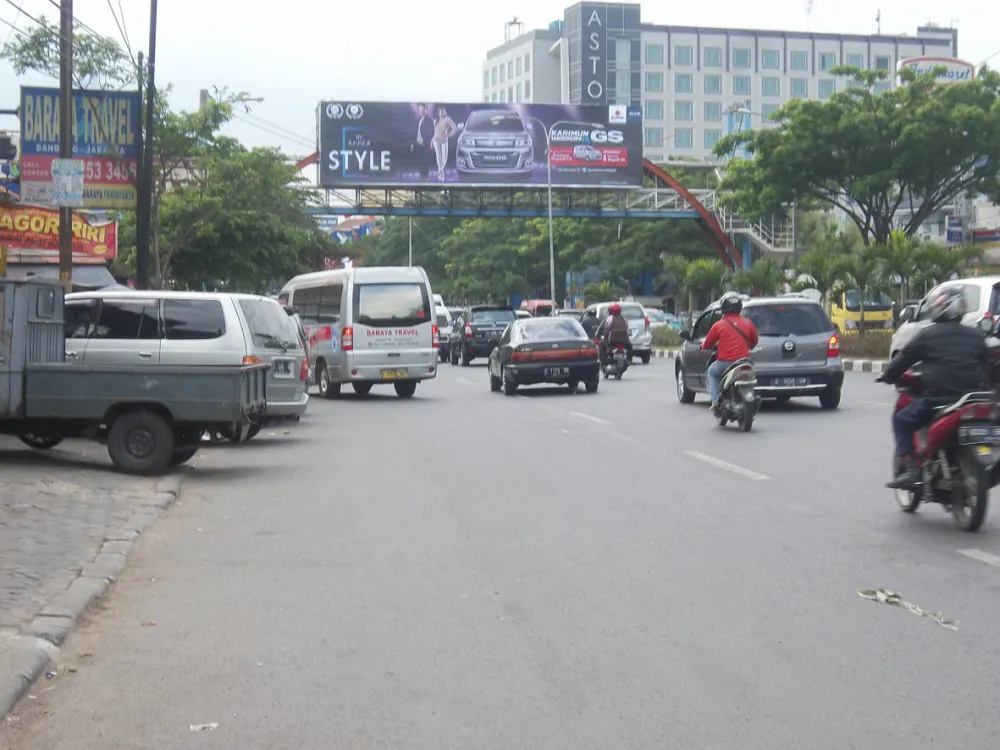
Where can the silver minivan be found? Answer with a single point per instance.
(192, 328)
(367, 327)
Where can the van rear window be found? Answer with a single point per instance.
(380, 305)
(270, 327)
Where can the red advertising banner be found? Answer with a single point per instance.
(38, 228)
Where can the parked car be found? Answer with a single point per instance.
(478, 331)
(639, 332)
(798, 353)
(367, 327)
(982, 298)
(444, 331)
(192, 329)
(522, 314)
(552, 350)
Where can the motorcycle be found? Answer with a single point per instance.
(956, 454)
(739, 401)
(616, 363)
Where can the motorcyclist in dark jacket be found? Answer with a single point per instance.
(953, 362)
(612, 332)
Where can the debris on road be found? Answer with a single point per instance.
(204, 727)
(891, 597)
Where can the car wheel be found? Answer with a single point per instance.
(39, 442)
(326, 388)
(830, 398)
(495, 383)
(508, 383)
(593, 385)
(684, 394)
(406, 388)
(466, 359)
(573, 385)
(644, 357)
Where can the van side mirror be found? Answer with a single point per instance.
(987, 326)
(290, 311)
(684, 334)
(907, 314)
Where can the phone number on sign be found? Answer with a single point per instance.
(106, 170)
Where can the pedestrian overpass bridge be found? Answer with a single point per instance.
(664, 199)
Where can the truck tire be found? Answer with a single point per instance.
(141, 442)
(182, 456)
(39, 442)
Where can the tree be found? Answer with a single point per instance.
(822, 271)
(602, 291)
(899, 258)
(936, 263)
(764, 278)
(242, 222)
(483, 260)
(869, 153)
(694, 277)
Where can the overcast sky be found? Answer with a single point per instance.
(294, 53)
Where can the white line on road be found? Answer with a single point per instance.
(878, 403)
(985, 557)
(581, 415)
(719, 463)
(463, 381)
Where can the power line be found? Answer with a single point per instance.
(77, 21)
(13, 27)
(34, 20)
(289, 133)
(271, 131)
(123, 31)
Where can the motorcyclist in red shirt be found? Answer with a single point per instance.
(734, 336)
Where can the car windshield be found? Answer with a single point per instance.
(656, 316)
(494, 122)
(492, 316)
(270, 327)
(443, 321)
(633, 312)
(381, 305)
(551, 329)
(788, 320)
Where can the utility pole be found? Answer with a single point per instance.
(144, 223)
(66, 114)
(410, 245)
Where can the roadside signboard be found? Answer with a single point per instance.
(490, 144)
(105, 142)
(955, 70)
(38, 229)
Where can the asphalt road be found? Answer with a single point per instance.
(467, 570)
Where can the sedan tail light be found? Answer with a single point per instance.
(833, 347)
(468, 331)
(435, 337)
(304, 370)
(647, 322)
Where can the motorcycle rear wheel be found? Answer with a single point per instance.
(907, 500)
(746, 419)
(972, 498)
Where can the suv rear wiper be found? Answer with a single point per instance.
(274, 340)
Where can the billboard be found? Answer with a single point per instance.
(955, 70)
(397, 144)
(38, 229)
(105, 139)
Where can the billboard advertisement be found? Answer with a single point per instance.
(38, 229)
(105, 139)
(955, 70)
(402, 144)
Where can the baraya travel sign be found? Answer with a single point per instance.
(955, 70)
(105, 139)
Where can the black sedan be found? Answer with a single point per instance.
(554, 350)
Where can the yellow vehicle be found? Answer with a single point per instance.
(845, 310)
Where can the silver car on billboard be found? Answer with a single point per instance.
(496, 142)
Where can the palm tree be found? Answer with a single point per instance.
(822, 271)
(707, 276)
(936, 263)
(765, 278)
(863, 272)
(677, 271)
(602, 291)
(899, 258)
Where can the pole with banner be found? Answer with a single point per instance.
(66, 137)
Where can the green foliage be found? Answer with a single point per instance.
(764, 278)
(602, 291)
(868, 152)
(665, 336)
(873, 344)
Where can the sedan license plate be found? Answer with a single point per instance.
(556, 372)
(985, 434)
(282, 368)
(393, 374)
(789, 382)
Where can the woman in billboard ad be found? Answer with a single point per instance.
(444, 129)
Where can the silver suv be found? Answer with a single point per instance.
(798, 353)
(495, 142)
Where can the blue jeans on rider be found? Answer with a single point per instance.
(907, 421)
(715, 372)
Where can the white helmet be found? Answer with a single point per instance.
(947, 303)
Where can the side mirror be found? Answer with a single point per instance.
(906, 315)
(685, 334)
(987, 326)
(290, 311)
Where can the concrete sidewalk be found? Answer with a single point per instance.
(67, 520)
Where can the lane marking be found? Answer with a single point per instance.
(598, 420)
(977, 554)
(719, 463)
(878, 403)
(463, 381)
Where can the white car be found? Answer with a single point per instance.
(982, 296)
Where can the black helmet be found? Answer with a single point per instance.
(731, 302)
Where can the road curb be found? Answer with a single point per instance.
(27, 655)
(876, 366)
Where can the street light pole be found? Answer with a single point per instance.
(66, 113)
(410, 245)
(552, 244)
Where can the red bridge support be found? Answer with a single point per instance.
(707, 221)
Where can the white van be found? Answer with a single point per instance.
(367, 327)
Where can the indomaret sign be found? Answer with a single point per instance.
(955, 70)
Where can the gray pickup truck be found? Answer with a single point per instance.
(151, 418)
